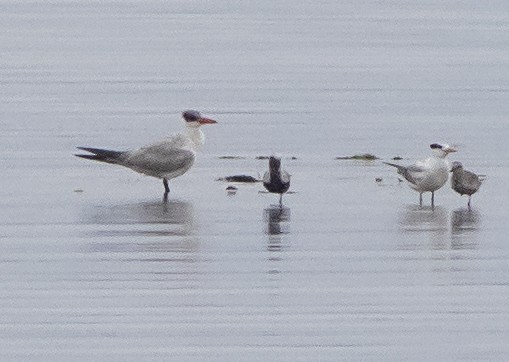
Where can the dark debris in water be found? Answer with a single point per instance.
(231, 190)
(361, 157)
(397, 158)
(231, 157)
(239, 178)
(267, 157)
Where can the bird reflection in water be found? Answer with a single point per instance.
(277, 219)
(464, 226)
(426, 220)
(147, 226)
(416, 218)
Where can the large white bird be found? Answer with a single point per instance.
(430, 174)
(276, 180)
(166, 159)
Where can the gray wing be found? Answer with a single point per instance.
(285, 177)
(471, 180)
(412, 173)
(159, 159)
(266, 177)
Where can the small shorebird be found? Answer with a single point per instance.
(464, 182)
(276, 180)
(428, 175)
(166, 159)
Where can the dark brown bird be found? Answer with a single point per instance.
(464, 182)
(276, 180)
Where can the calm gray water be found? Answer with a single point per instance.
(93, 266)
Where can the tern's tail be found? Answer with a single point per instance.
(401, 169)
(101, 155)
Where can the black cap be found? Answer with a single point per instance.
(191, 115)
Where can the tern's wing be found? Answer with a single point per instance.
(160, 158)
(414, 173)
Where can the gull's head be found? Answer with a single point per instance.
(456, 165)
(441, 149)
(274, 163)
(194, 119)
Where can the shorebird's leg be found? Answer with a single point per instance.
(166, 190)
(280, 200)
(469, 197)
(420, 199)
(432, 199)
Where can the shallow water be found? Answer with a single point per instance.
(93, 265)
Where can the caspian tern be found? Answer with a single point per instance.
(166, 159)
(430, 174)
(276, 180)
(464, 182)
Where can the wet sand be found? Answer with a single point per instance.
(94, 266)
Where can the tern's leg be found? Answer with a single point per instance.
(420, 199)
(166, 190)
(432, 199)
